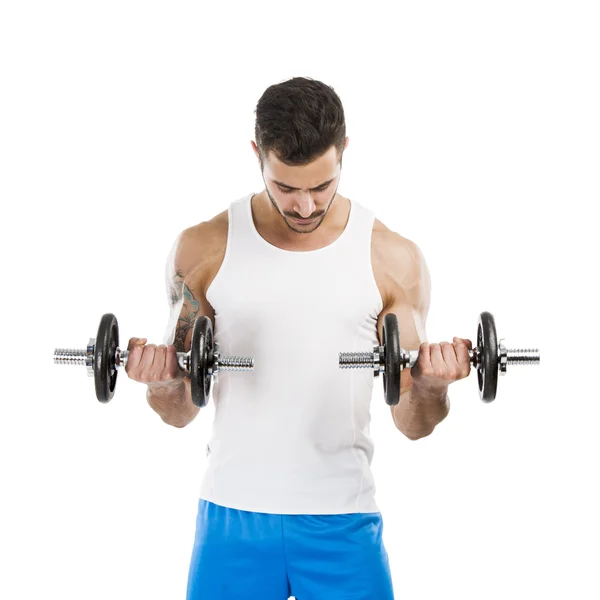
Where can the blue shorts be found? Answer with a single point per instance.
(240, 555)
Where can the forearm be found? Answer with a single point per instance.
(420, 411)
(173, 402)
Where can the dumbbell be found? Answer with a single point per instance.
(103, 358)
(489, 357)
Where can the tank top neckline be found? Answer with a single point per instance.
(262, 240)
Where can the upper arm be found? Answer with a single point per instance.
(408, 285)
(184, 276)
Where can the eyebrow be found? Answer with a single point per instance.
(289, 187)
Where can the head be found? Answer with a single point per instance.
(300, 136)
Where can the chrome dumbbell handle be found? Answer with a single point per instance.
(409, 358)
(70, 356)
(506, 356)
(121, 356)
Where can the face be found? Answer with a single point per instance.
(302, 192)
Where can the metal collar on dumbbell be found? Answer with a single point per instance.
(502, 357)
(89, 357)
(475, 356)
(120, 358)
(378, 360)
(214, 368)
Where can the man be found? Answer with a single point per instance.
(291, 276)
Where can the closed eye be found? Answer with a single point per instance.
(286, 191)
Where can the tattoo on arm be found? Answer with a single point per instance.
(176, 287)
(187, 317)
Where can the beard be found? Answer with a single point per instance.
(287, 219)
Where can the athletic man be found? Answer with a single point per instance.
(291, 275)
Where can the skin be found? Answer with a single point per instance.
(400, 271)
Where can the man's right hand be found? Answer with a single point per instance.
(152, 364)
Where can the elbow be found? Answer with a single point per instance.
(180, 420)
(177, 424)
(426, 431)
(413, 437)
(414, 433)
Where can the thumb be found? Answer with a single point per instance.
(136, 342)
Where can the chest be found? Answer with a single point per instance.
(216, 255)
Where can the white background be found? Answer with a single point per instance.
(474, 131)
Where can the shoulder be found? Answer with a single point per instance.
(209, 234)
(395, 250)
(400, 261)
(198, 245)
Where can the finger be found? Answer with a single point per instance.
(465, 341)
(160, 361)
(451, 366)
(172, 364)
(136, 342)
(462, 354)
(437, 360)
(424, 360)
(148, 358)
(136, 351)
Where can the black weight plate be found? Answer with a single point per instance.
(487, 342)
(105, 373)
(201, 358)
(391, 374)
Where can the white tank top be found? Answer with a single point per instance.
(292, 436)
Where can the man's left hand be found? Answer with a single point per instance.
(439, 365)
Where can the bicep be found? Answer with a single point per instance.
(186, 299)
(410, 294)
(183, 311)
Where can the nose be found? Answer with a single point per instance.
(305, 207)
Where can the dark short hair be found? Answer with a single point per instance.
(299, 120)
